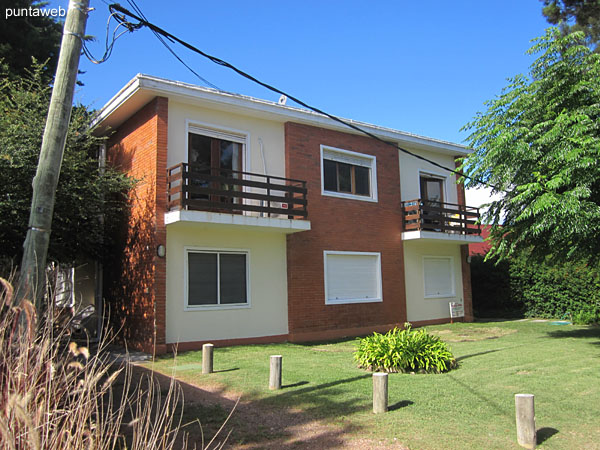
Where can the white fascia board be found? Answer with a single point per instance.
(117, 100)
(190, 93)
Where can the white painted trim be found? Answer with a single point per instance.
(378, 299)
(218, 307)
(452, 276)
(373, 174)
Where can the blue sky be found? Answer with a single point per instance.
(424, 67)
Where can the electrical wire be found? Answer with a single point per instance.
(221, 62)
(168, 47)
(108, 48)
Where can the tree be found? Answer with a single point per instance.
(538, 144)
(25, 37)
(83, 194)
(585, 13)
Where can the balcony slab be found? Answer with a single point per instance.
(441, 237)
(258, 223)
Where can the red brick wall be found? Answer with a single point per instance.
(343, 225)
(136, 280)
(466, 268)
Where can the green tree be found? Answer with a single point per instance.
(83, 193)
(575, 15)
(25, 37)
(538, 143)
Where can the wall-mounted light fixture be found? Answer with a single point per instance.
(161, 251)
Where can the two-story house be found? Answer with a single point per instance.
(253, 221)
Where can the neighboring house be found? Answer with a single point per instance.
(259, 222)
(483, 247)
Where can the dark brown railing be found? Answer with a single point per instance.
(234, 192)
(425, 215)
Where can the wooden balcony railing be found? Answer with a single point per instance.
(425, 215)
(234, 192)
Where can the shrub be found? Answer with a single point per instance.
(56, 394)
(586, 317)
(534, 289)
(404, 350)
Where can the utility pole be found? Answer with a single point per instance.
(32, 277)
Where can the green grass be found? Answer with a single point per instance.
(469, 407)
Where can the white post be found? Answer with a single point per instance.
(275, 372)
(525, 413)
(207, 358)
(380, 393)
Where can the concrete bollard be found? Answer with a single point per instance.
(275, 372)
(525, 412)
(207, 358)
(380, 393)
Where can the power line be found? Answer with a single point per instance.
(168, 47)
(221, 62)
(108, 48)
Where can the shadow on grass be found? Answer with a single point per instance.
(460, 358)
(299, 383)
(226, 370)
(399, 405)
(287, 419)
(543, 434)
(495, 406)
(590, 332)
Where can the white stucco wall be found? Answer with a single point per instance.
(267, 314)
(417, 306)
(411, 167)
(270, 133)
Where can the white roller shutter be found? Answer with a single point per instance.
(438, 277)
(352, 277)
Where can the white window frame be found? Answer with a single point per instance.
(237, 251)
(377, 299)
(452, 277)
(331, 151)
(437, 175)
(219, 132)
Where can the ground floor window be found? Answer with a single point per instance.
(352, 277)
(438, 276)
(216, 278)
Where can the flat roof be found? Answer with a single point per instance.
(143, 88)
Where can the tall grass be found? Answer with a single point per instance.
(56, 394)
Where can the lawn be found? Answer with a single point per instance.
(469, 407)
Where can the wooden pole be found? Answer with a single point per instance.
(33, 265)
(380, 393)
(275, 372)
(207, 358)
(525, 413)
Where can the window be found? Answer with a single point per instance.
(216, 278)
(348, 174)
(352, 277)
(438, 275)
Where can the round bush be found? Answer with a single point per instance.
(405, 350)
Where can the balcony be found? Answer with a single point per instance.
(230, 197)
(424, 219)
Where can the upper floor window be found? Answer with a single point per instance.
(348, 174)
